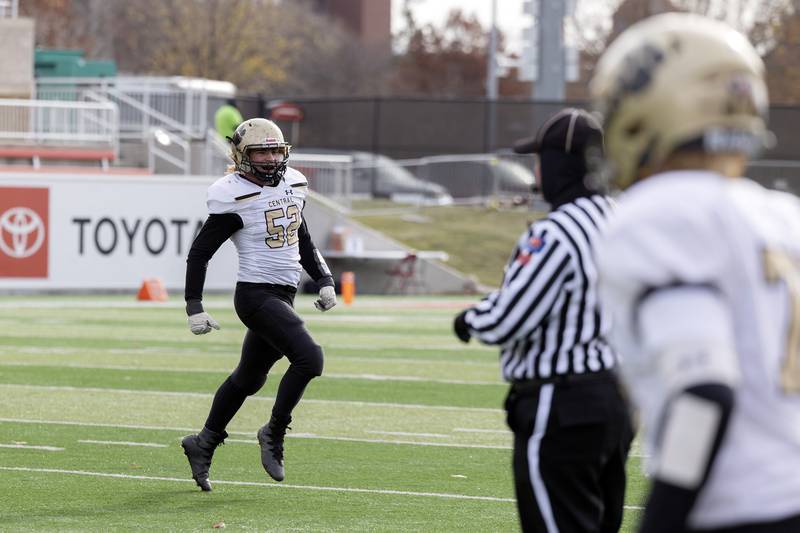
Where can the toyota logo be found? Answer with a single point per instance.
(25, 231)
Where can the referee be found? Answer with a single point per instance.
(572, 428)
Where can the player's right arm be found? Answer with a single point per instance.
(661, 276)
(688, 331)
(222, 222)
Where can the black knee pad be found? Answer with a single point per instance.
(248, 384)
(310, 362)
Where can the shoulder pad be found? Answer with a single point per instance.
(295, 178)
(227, 193)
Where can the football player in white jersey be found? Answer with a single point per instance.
(701, 269)
(258, 206)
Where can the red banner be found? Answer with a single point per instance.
(24, 225)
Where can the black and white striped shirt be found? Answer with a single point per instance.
(546, 316)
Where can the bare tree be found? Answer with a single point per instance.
(597, 22)
(264, 46)
(758, 19)
(443, 61)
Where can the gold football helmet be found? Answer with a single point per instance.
(259, 134)
(675, 82)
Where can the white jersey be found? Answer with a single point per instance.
(696, 228)
(268, 243)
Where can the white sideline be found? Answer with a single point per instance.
(471, 430)
(252, 398)
(124, 443)
(252, 441)
(32, 447)
(408, 434)
(191, 349)
(311, 436)
(368, 377)
(276, 486)
(265, 485)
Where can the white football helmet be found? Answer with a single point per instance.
(259, 134)
(675, 82)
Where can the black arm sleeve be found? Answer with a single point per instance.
(215, 231)
(668, 506)
(311, 260)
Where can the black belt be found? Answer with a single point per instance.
(271, 286)
(529, 384)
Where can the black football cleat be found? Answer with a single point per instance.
(270, 438)
(199, 449)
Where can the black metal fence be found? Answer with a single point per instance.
(414, 127)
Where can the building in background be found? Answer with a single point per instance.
(16, 61)
(369, 20)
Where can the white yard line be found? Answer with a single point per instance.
(388, 492)
(339, 346)
(388, 441)
(408, 434)
(380, 377)
(89, 304)
(470, 430)
(411, 361)
(124, 443)
(104, 425)
(379, 441)
(32, 447)
(311, 436)
(251, 398)
(368, 377)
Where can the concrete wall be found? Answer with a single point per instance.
(16, 57)
(95, 232)
(326, 221)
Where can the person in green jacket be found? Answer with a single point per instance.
(227, 119)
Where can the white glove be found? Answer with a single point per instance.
(327, 298)
(202, 323)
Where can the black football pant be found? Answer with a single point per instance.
(571, 441)
(273, 330)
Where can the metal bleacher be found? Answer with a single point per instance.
(32, 131)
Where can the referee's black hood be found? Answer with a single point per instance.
(561, 144)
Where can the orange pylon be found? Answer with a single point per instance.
(152, 289)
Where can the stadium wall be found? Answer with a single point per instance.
(89, 233)
(74, 232)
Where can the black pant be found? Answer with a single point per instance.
(571, 441)
(273, 330)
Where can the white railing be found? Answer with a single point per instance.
(9, 8)
(59, 123)
(158, 147)
(329, 175)
(217, 154)
(176, 104)
(475, 177)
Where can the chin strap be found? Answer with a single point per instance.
(248, 169)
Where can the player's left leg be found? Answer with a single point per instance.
(199, 450)
(277, 321)
(257, 358)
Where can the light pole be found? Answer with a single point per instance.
(491, 82)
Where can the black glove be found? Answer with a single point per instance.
(460, 326)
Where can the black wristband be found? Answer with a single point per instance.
(194, 307)
(325, 281)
